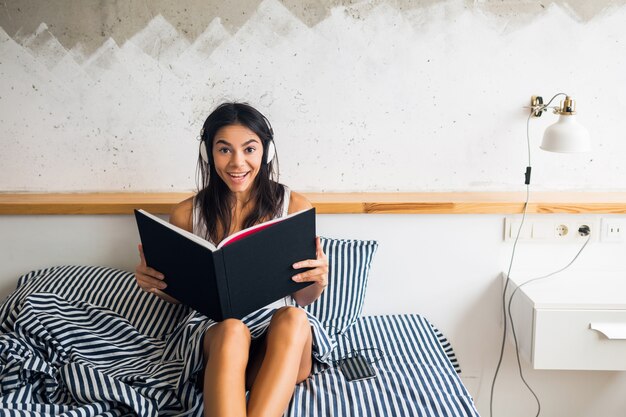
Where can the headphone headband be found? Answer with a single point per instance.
(269, 127)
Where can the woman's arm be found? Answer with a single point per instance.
(151, 280)
(319, 273)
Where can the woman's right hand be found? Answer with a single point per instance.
(151, 280)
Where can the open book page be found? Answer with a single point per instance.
(183, 232)
(256, 228)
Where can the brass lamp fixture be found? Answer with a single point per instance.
(566, 135)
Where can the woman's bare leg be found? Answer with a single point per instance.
(226, 348)
(286, 360)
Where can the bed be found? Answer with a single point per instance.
(85, 341)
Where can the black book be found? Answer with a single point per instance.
(246, 271)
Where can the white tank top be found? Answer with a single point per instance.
(199, 228)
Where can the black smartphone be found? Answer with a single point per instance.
(356, 368)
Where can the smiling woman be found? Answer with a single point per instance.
(238, 140)
(273, 348)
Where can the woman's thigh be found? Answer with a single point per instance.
(283, 321)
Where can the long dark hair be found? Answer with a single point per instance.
(214, 199)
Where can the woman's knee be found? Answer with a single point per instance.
(292, 317)
(227, 334)
(291, 321)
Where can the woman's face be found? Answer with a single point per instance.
(238, 155)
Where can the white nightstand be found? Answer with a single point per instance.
(572, 320)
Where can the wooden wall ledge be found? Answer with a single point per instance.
(334, 203)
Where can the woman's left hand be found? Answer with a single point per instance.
(319, 273)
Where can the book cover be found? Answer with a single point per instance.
(245, 272)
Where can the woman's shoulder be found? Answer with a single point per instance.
(298, 202)
(182, 213)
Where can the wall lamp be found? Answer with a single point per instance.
(566, 135)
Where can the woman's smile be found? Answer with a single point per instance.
(238, 178)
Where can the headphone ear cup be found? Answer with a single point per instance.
(271, 152)
(204, 153)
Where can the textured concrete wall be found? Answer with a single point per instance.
(364, 97)
(91, 22)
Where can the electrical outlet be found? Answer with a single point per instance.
(550, 228)
(561, 230)
(613, 229)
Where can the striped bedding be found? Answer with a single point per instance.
(415, 377)
(84, 341)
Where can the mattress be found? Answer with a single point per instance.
(414, 376)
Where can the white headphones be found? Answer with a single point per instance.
(269, 151)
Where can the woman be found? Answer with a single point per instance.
(237, 160)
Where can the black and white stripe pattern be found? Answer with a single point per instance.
(72, 357)
(414, 376)
(341, 303)
(118, 291)
(85, 341)
(447, 348)
(99, 286)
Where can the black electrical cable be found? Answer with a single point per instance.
(539, 110)
(495, 376)
(353, 352)
(506, 284)
(519, 363)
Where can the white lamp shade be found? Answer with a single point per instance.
(566, 136)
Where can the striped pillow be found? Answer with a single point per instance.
(349, 261)
(100, 286)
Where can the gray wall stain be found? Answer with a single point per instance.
(91, 22)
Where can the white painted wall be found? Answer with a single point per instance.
(444, 267)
